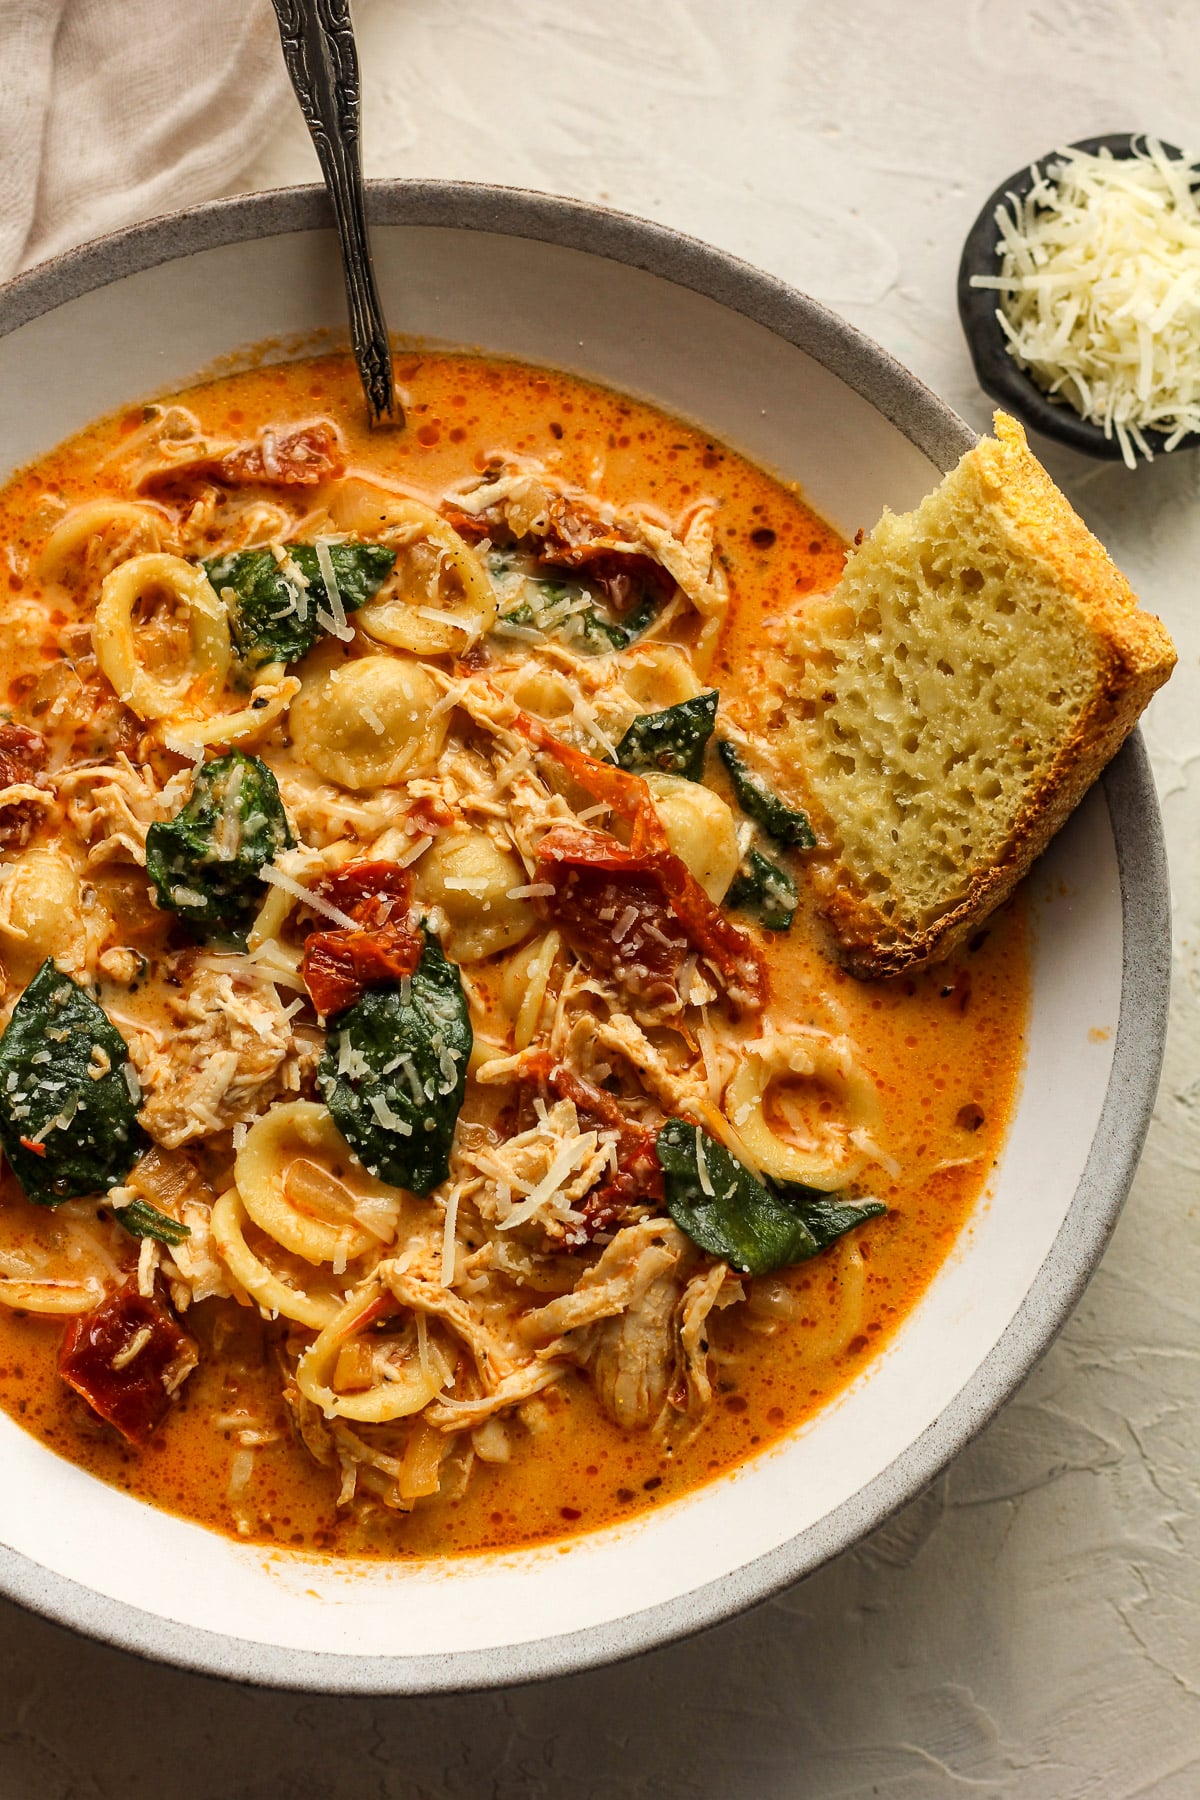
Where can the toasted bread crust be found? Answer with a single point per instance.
(1134, 656)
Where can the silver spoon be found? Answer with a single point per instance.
(322, 62)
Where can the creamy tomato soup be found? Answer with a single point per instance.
(433, 1121)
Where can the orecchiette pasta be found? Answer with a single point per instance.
(117, 520)
(368, 723)
(394, 1382)
(546, 692)
(172, 691)
(843, 1285)
(833, 1150)
(56, 1297)
(699, 828)
(467, 874)
(658, 676)
(42, 914)
(438, 597)
(276, 1296)
(247, 724)
(297, 1182)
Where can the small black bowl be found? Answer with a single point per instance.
(998, 374)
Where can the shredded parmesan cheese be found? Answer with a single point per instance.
(532, 890)
(335, 619)
(1100, 290)
(448, 1240)
(624, 924)
(410, 855)
(185, 747)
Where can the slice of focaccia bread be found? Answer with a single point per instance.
(979, 662)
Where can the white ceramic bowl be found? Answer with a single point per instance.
(782, 380)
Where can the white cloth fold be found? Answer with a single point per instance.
(113, 110)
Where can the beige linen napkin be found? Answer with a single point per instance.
(113, 110)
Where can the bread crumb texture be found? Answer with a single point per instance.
(951, 701)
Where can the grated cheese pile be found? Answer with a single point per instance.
(1100, 286)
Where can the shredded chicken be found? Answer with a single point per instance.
(235, 1051)
(324, 815)
(711, 1287)
(419, 1288)
(637, 1257)
(195, 1271)
(677, 1090)
(631, 1356)
(113, 805)
(638, 1325)
(520, 1385)
(538, 1177)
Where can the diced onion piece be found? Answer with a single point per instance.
(421, 1465)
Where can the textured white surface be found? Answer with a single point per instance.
(1030, 1627)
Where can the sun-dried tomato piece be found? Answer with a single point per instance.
(625, 792)
(304, 457)
(340, 964)
(577, 538)
(23, 756)
(473, 659)
(429, 814)
(126, 1358)
(611, 907)
(638, 1181)
(728, 949)
(371, 893)
(638, 1178)
(627, 581)
(301, 458)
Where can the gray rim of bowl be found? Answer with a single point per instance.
(1128, 786)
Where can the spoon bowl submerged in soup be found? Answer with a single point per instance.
(433, 1119)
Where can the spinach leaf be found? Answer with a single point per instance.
(756, 1226)
(829, 1219)
(206, 862)
(68, 1095)
(272, 616)
(395, 1070)
(759, 801)
(673, 741)
(142, 1220)
(764, 888)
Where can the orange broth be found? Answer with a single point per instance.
(945, 1048)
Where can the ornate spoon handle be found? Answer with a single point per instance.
(322, 61)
